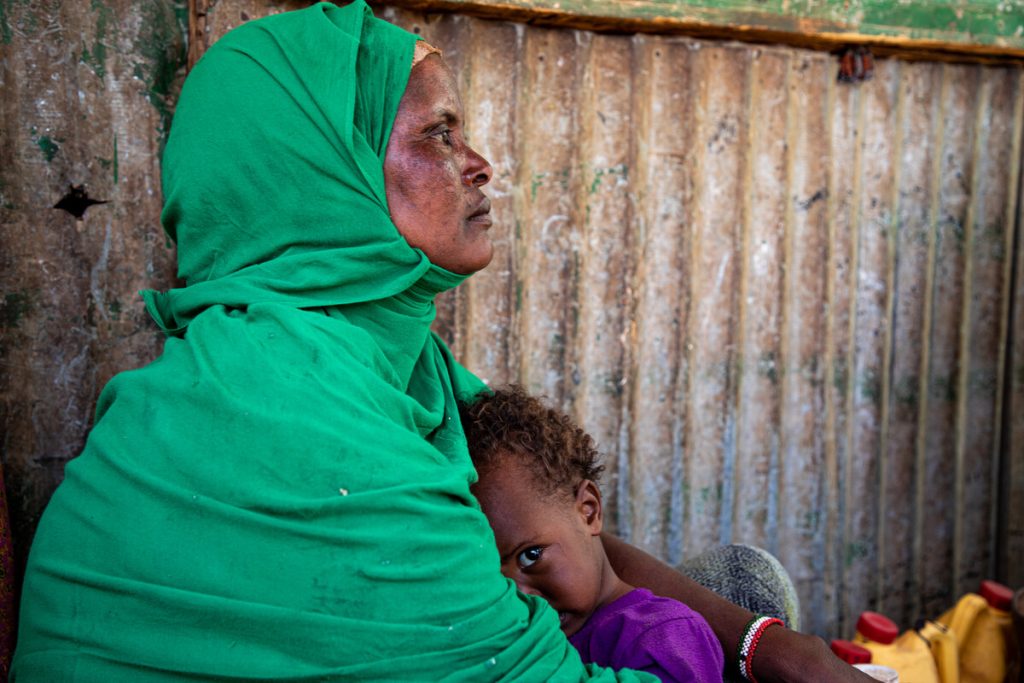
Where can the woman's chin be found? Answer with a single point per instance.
(473, 260)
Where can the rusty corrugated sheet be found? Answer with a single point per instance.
(781, 304)
(1010, 534)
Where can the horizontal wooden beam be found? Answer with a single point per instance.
(947, 29)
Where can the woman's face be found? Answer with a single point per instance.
(433, 178)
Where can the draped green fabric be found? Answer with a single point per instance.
(284, 493)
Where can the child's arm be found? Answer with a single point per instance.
(783, 656)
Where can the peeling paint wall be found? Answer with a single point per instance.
(782, 305)
(87, 98)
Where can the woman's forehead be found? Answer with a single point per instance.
(433, 89)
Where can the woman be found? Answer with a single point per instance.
(284, 493)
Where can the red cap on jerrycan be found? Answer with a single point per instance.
(849, 652)
(996, 595)
(877, 627)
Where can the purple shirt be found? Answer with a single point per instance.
(648, 633)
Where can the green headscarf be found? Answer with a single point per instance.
(284, 493)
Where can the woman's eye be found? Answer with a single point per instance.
(446, 136)
(529, 556)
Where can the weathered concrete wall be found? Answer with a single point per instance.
(781, 304)
(88, 91)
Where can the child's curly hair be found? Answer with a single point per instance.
(547, 441)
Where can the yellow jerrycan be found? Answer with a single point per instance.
(944, 647)
(908, 654)
(983, 628)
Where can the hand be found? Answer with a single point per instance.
(785, 656)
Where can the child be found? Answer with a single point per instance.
(538, 488)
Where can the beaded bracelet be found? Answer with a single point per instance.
(748, 643)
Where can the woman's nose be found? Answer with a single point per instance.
(477, 171)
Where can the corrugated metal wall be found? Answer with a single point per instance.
(779, 302)
(783, 305)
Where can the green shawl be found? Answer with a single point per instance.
(284, 493)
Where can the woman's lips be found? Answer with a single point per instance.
(482, 214)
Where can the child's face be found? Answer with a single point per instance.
(549, 545)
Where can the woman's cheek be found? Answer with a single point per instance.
(450, 171)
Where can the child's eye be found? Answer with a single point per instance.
(529, 556)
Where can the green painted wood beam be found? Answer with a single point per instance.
(982, 28)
